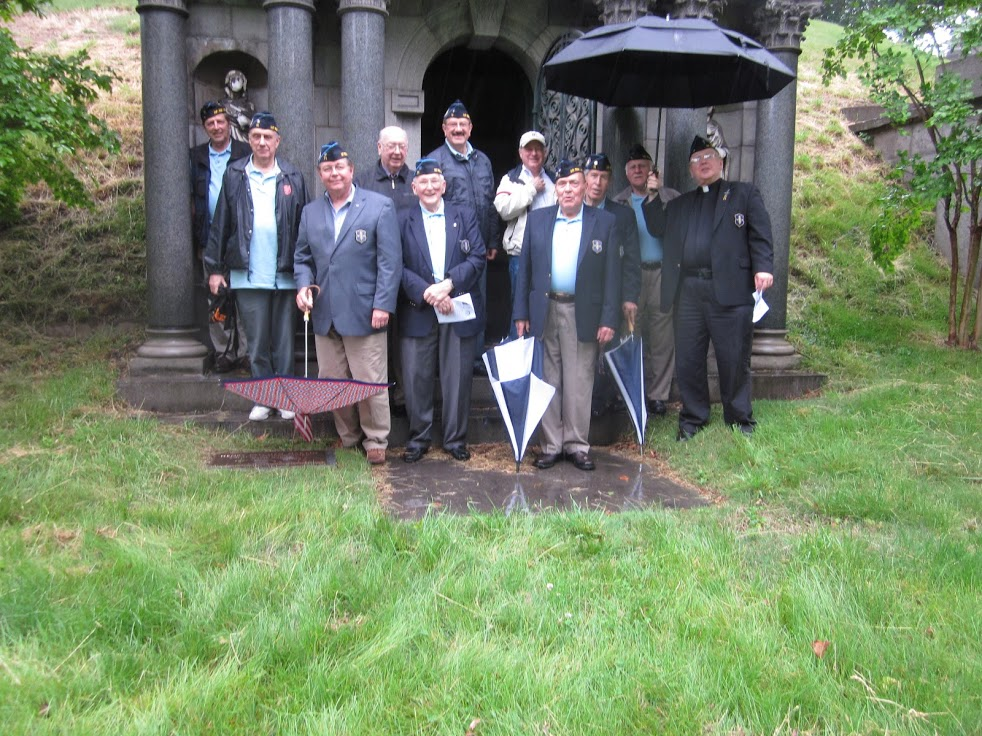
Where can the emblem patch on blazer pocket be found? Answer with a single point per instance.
(739, 220)
(465, 246)
(361, 236)
(597, 246)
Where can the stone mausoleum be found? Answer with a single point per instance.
(343, 69)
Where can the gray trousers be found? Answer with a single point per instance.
(268, 318)
(567, 364)
(455, 357)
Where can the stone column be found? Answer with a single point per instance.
(362, 76)
(682, 125)
(172, 344)
(289, 24)
(622, 126)
(782, 23)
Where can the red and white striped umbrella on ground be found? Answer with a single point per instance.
(304, 396)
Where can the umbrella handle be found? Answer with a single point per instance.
(306, 326)
(630, 324)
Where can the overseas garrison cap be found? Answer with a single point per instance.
(597, 162)
(567, 168)
(636, 152)
(265, 121)
(457, 110)
(332, 151)
(427, 166)
(211, 109)
(700, 144)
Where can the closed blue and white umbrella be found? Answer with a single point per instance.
(515, 372)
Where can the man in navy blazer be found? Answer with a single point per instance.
(568, 295)
(717, 252)
(348, 247)
(442, 259)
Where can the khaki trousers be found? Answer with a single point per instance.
(657, 336)
(568, 364)
(363, 358)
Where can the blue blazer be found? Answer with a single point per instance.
(598, 273)
(465, 262)
(357, 273)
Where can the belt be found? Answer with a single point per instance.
(652, 266)
(563, 297)
(697, 273)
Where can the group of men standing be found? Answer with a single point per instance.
(396, 251)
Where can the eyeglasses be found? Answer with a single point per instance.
(703, 157)
(396, 147)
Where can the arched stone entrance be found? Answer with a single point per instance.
(498, 96)
(496, 92)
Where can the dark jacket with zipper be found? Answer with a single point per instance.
(231, 230)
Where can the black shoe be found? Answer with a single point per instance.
(459, 453)
(546, 460)
(685, 435)
(746, 429)
(581, 461)
(479, 368)
(414, 454)
(657, 408)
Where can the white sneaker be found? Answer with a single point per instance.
(286, 414)
(259, 413)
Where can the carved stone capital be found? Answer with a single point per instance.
(371, 6)
(307, 5)
(709, 9)
(175, 6)
(782, 22)
(621, 11)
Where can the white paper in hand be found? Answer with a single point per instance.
(463, 310)
(760, 306)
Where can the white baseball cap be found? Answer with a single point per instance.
(532, 135)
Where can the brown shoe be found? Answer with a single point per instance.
(376, 456)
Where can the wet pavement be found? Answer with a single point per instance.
(488, 482)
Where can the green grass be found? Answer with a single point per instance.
(141, 593)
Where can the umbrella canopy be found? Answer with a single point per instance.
(304, 396)
(515, 372)
(627, 368)
(655, 62)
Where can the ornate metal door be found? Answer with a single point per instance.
(568, 123)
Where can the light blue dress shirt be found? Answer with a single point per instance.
(566, 250)
(217, 162)
(434, 223)
(651, 250)
(341, 213)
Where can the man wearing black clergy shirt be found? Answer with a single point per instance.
(717, 252)
(568, 295)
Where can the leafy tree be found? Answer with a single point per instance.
(905, 48)
(45, 118)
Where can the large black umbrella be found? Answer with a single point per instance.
(655, 62)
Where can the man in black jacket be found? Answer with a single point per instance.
(717, 252)
(253, 239)
(208, 163)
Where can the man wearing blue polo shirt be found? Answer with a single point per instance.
(253, 237)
